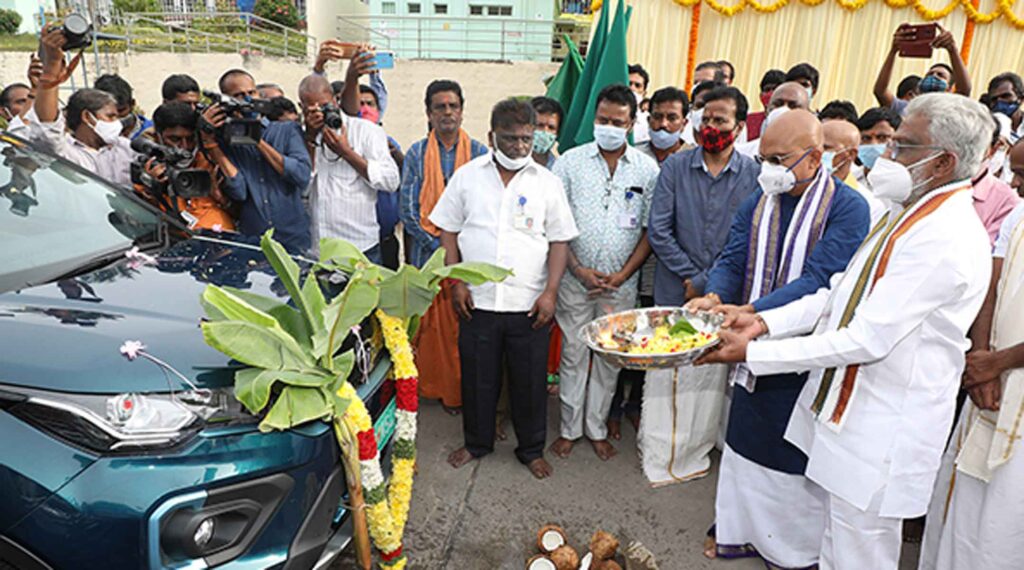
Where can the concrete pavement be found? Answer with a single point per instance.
(485, 516)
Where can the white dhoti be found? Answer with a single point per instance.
(679, 423)
(858, 540)
(976, 517)
(762, 512)
(974, 525)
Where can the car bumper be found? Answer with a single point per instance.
(274, 500)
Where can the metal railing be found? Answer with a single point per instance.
(441, 37)
(212, 32)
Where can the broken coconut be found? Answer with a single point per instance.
(549, 538)
(565, 558)
(588, 558)
(540, 562)
(603, 545)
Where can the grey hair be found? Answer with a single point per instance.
(314, 84)
(91, 100)
(958, 125)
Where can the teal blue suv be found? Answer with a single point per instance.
(110, 463)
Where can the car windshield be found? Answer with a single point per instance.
(55, 218)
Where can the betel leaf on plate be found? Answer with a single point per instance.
(682, 329)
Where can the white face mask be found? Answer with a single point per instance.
(108, 131)
(609, 137)
(508, 163)
(997, 162)
(775, 179)
(892, 181)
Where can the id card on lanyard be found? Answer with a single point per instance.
(630, 219)
(522, 220)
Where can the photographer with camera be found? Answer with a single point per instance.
(273, 168)
(190, 185)
(93, 139)
(352, 163)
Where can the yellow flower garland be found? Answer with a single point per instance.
(1004, 8)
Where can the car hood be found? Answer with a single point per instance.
(67, 335)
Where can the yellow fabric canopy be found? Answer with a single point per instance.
(847, 46)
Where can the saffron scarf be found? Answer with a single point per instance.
(768, 267)
(433, 175)
(833, 398)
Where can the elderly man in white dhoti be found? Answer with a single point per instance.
(976, 519)
(887, 343)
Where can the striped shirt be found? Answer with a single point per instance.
(423, 243)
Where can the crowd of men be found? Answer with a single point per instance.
(868, 265)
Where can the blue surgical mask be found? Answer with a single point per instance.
(664, 140)
(1005, 107)
(610, 137)
(827, 158)
(932, 84)
(869, 153)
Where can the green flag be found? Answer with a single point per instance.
(563, 85)
(612, 68)
(573, 113)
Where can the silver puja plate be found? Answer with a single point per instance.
(630, 325)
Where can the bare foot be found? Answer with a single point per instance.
(540, 468)
(710, 547)
(562, 447)
(499, 430)
(603, 449)
(451, 411)
(615, 429)
(460, 457)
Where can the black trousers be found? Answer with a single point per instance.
(486, 343)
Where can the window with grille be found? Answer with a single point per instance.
(440, 8)
(388, 8)
(476, 10)
(414, 8)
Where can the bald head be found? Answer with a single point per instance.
(1017, 166)
(790, 94)
(797, 129)
(841, 138)
(795, 141)
(312, 84)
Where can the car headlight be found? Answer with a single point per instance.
(124, 422)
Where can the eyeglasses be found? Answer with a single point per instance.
(893, 147)
(778, 159)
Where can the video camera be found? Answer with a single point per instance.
(243, 125)
(181, 182)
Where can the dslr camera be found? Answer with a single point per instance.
(243, 125)
(332, 116)
(181, 182)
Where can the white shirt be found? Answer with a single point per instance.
(641, 127)
(343, 203)
(1006, 230)
(909, 337)
(484, 212)
(110, 162)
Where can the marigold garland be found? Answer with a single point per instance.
(387, 505)
(1004, 8)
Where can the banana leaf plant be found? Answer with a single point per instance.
(294, 367)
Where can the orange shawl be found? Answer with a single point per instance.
(433, 176)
